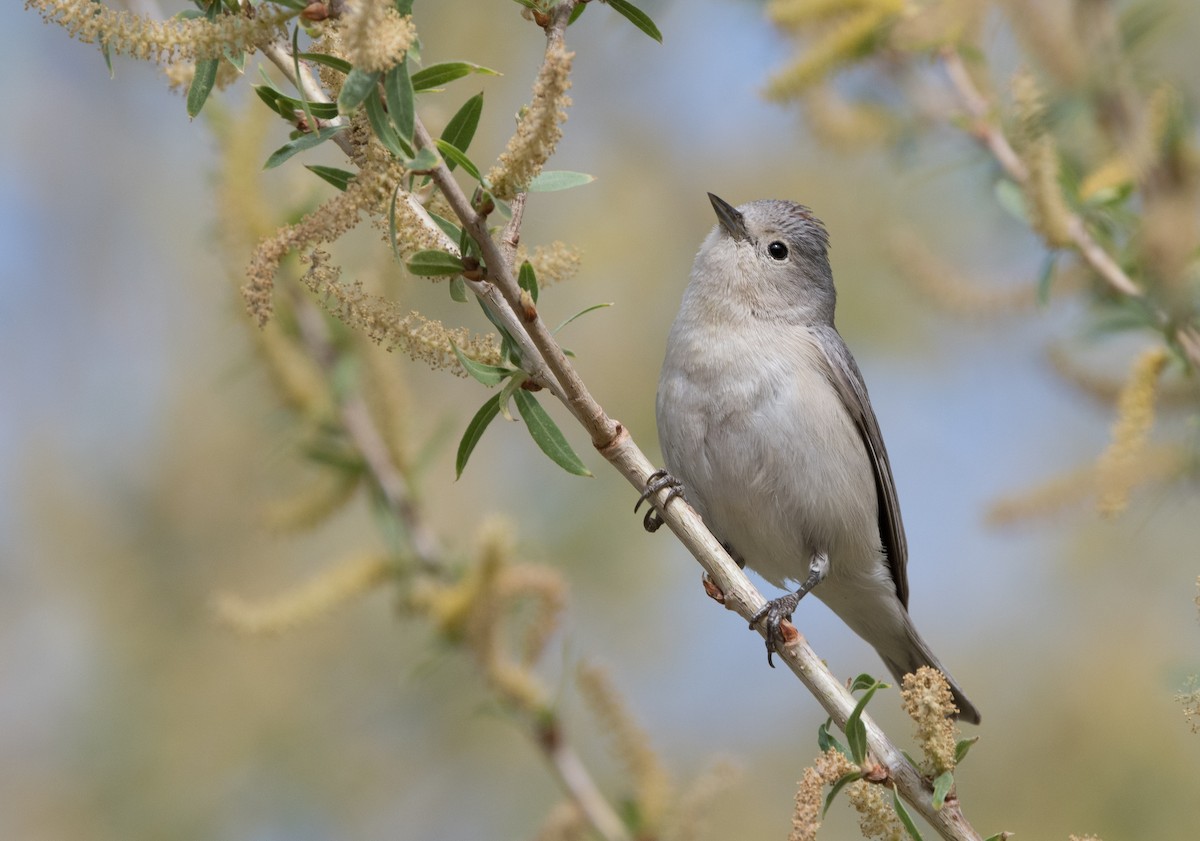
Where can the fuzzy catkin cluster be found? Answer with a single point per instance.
(175, 39)
(375, 35)
(929, 703)
(539, 129)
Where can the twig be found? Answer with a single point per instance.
(613, 442)
(991, 136)
(987, 132)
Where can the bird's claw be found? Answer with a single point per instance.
(657, 481)
(775, 612)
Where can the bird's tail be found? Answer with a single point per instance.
(911, 655)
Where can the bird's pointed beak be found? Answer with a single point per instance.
(731, 220)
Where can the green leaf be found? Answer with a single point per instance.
(236, 58)
(461, 129)
(826, 740)
(339, 64)
(527, 280)
(1010, 197)
(105, 50)
(552, 180)
(309, 119)
(863, 681)
(637, 17)
(448, 228)
(506, 394)
(433, 263)
(941, 787)
(358, 86)
(436, 75)
(962, 747)
(202, 85)
(547, 435)
(455, 157)
(304, 141)
(396, 255)
(404, 7)
(486, 414)
(458, 289)
(1047, 275)
(856, 731)
(382, 127)
(582, 312)
(423, 161)
(489, 375)
(399, 89)
(905, 817)
(339, 178)
(577, 13)
(842, 782)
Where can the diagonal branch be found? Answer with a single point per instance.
(992, 137)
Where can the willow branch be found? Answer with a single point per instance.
(615, 444)
(992, 137)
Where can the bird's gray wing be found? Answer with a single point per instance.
(848, 382)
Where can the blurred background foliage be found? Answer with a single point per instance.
(143, 453)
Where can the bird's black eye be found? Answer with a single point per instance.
(777, 250)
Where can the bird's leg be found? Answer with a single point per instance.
(657, 481)
(776, 610)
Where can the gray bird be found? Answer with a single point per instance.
(766, 427)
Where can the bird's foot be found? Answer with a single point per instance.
(657, 481)
(779, 610)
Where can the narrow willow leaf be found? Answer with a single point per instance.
(527, 280)
(637, 17)
(339, 64)
(489, 375)
(396, 255)
(506, 394)
(382, 127)
(941, 787)
(404, 7)
(456, 157)
(826, 740)
(399, 89)
(309, 119)
(905, 817)
(305, 141)
(273, 100)
(1044, 280)
(461, 129)
(436, 75)
(582, 312)
(486, 414)
(423, 161)
(1010, 197)
(458, 289)
(236, 58)
(962, 747)
(576, 13)
(856, 731)
(547, 435)
(842, 782)
(105, 50)
(202, 85)
(552, 180)
(433, 263)
(358, 86)
(339, 178)
(448, 228)
(863, 681)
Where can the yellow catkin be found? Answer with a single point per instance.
(1135, 417)
(843, 124)
(876, 817)
(689, 814)
(1083, 838)
(315, 502)
(553, 263)
(929, 703)
(845, 41)
(826, 770)
(652, 785)
(163, 41)
(375, 35)
(800, 12)
(1048, 211)
(539, 128)
(1058, 493)
(317, 597)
